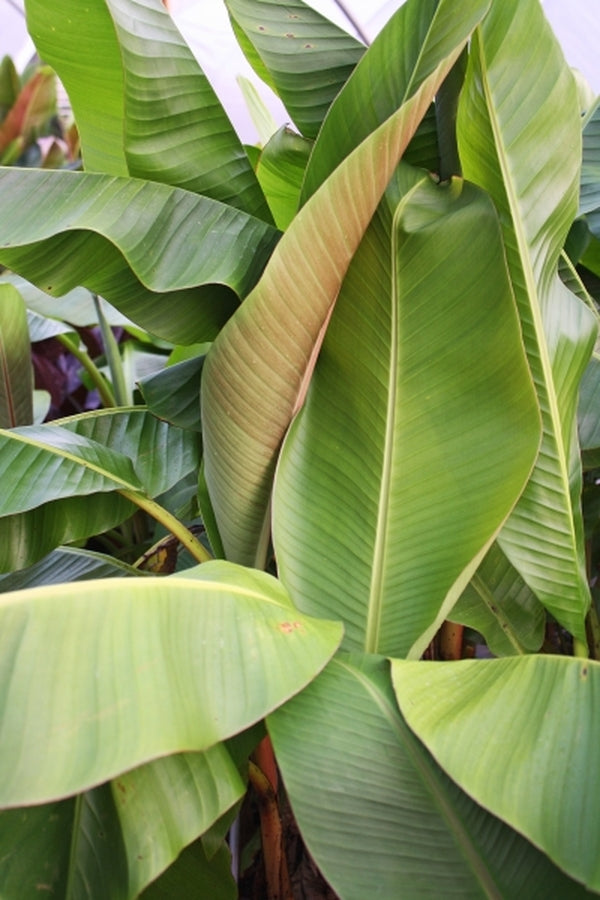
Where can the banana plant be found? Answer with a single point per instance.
(380, 338)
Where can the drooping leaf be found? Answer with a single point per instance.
(175, 129)
(167, 665)
(148, 248)
(519, 139)
(423, 378)
(67, 564)
(302, 55)
(115, 839)
(85, 54)
(377, 88)
(67, 481)
(519, 735)
(262, 361)
(498, 604)
(16, 373)
(363, 787)
(173, 393)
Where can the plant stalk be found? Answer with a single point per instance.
(171, 523)
(104, 389)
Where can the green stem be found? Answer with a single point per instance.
(171, 523)
(580, 649)
(113, 357)
(104, 389)
(73, 855)
(593, 625)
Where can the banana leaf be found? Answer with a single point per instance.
(263, 361)
(519, 138)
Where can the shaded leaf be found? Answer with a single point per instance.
(67, 564)
(363, 787)
(16, 373)
(498, 604)
(174, 393)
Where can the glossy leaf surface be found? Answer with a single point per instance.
(262, 362)
(519, 139)
(300, 53)
(363, 787)
(420, 382)
(168, 661)
(487, 722)
(153, 247)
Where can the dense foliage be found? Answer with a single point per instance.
(388, 314)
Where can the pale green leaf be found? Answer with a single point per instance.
(79, 41)
(519, 137)
(521, 737)
(167, 666)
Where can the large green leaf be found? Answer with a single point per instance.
(421, 383)
(300, 53)
(162, 665)
(256, 372)
(521, 736)
(113, 840)
(169, 259)
(141, 101)
(378, 815)
(499, 605)
(63, 481)
(80, 43)
(175, 129)
(519, 137)
(16, 373)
